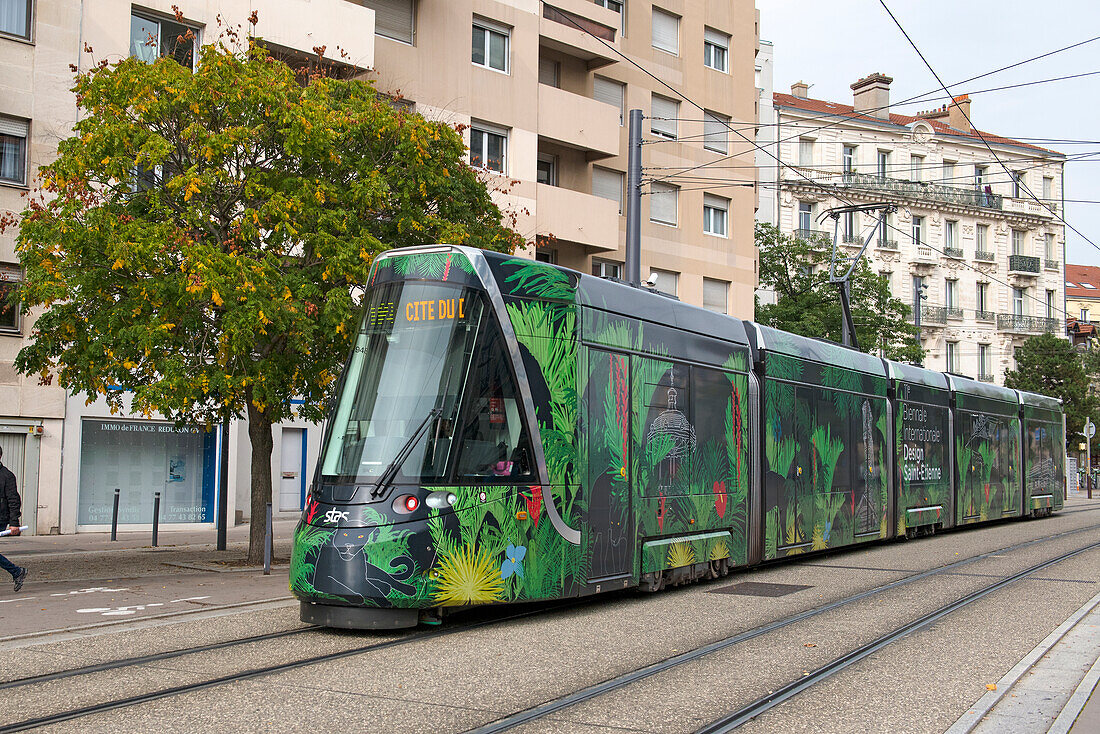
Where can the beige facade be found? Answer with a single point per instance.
(990, 255)
(565, 148)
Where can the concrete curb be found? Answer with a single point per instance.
(1077, 701)
(985, 704)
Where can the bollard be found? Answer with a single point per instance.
(267, 543)
(114, 516)
(156, 516)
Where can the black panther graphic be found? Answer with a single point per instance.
(349, 544)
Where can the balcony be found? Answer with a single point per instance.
(886, 244)
(1023, 265)
(981, 315)
(954, 313)
(560, 28)
(573, 216)
(926, 255)
(985, 377)
(933, 315)
(578, 122)
(955, 252)
(1026, 206)
(893, 187)
(853, 239)
(1052, 264)
(809, 234)
(984, 256)
(1020, 324)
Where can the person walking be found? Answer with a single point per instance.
(9, 517)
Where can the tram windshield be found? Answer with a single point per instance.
(428, 376)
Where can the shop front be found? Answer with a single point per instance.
(140, 459)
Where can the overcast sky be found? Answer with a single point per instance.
(832, 44)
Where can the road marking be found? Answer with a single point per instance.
(91, 590)
(119, 611)
(9, 601)
(190, 598)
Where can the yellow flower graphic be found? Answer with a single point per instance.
(719, 551)
(818, 540)
(680, 554)
(469, 576)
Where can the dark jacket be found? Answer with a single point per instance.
(9, 499)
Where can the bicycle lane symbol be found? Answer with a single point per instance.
(125, 611)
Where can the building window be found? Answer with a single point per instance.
(549, 72)
(610, 92)
(716, 49)
(394, 19)
(1017, 184)
(883, 163)
(1050, 304)
(10, 277)
(15, 18)
(715, 294)
(1048, 188)
(608, 184)
(662, 203)
(951, 293)
(546, 170)
(488, 148)
(607, 269)
(983, 360)
(617, 6)
(848, 159)
(1048, 246)
(490, 45)
(979, 176)
(951, 234)
(1017, 242)
(546, 255)
(716, 132)
(948, 173)
(1018, 296)
(805, 216)
(663, 114)
(666, 31)
(952, 352)
(13, 150)
(916, 167)
(981, 234)
(667, 280)
(888, 278)
(849, 226)
(153, 39)
(805, 152)
(918, 226)
(981, 298)
(715, 215)
(1085, 315)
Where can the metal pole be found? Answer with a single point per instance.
(267, 543)
(916, 316)
(114, 516)
(634, 200)
(156, 516)
(1088, 457)
(223, 489)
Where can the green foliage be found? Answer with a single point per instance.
(797, 270)
(1049, 365)
(219, 281)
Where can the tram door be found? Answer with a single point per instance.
(609, 534)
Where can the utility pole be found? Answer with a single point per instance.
(634, 200)
(918, 296)
(1088, 433)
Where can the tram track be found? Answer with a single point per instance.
(548, 708)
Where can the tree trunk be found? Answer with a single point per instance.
(259, 434)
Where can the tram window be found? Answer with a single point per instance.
(494, 444)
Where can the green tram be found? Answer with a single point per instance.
(507, 430)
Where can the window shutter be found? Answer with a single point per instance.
(716, 37)
(715, 293)
(609, 92)
(393, 18)
(666, 31)
(664, 108)
(548, 72)
(662, 203)
(715, 132)
(11, 126)
(608, 185)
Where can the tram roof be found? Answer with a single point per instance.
(1036, 400)
(967, 386)
(916, 375)
(818, 350)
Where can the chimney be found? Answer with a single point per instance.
(800, 90)
(959, 113)
(871, 95)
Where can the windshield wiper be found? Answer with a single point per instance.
(391, 471)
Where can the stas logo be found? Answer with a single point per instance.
(335, 515)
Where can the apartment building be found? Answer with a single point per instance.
(982, 240)
(542, 90)
(1083, 303)
(39, 425)
(546, 88)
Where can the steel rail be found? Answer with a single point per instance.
(150, 658)
(611, 684)
(765, 703)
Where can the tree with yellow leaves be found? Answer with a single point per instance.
(199, 238)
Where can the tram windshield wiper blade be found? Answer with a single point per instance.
(391, 471)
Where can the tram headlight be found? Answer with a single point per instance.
(406, 504)
(441, 500)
